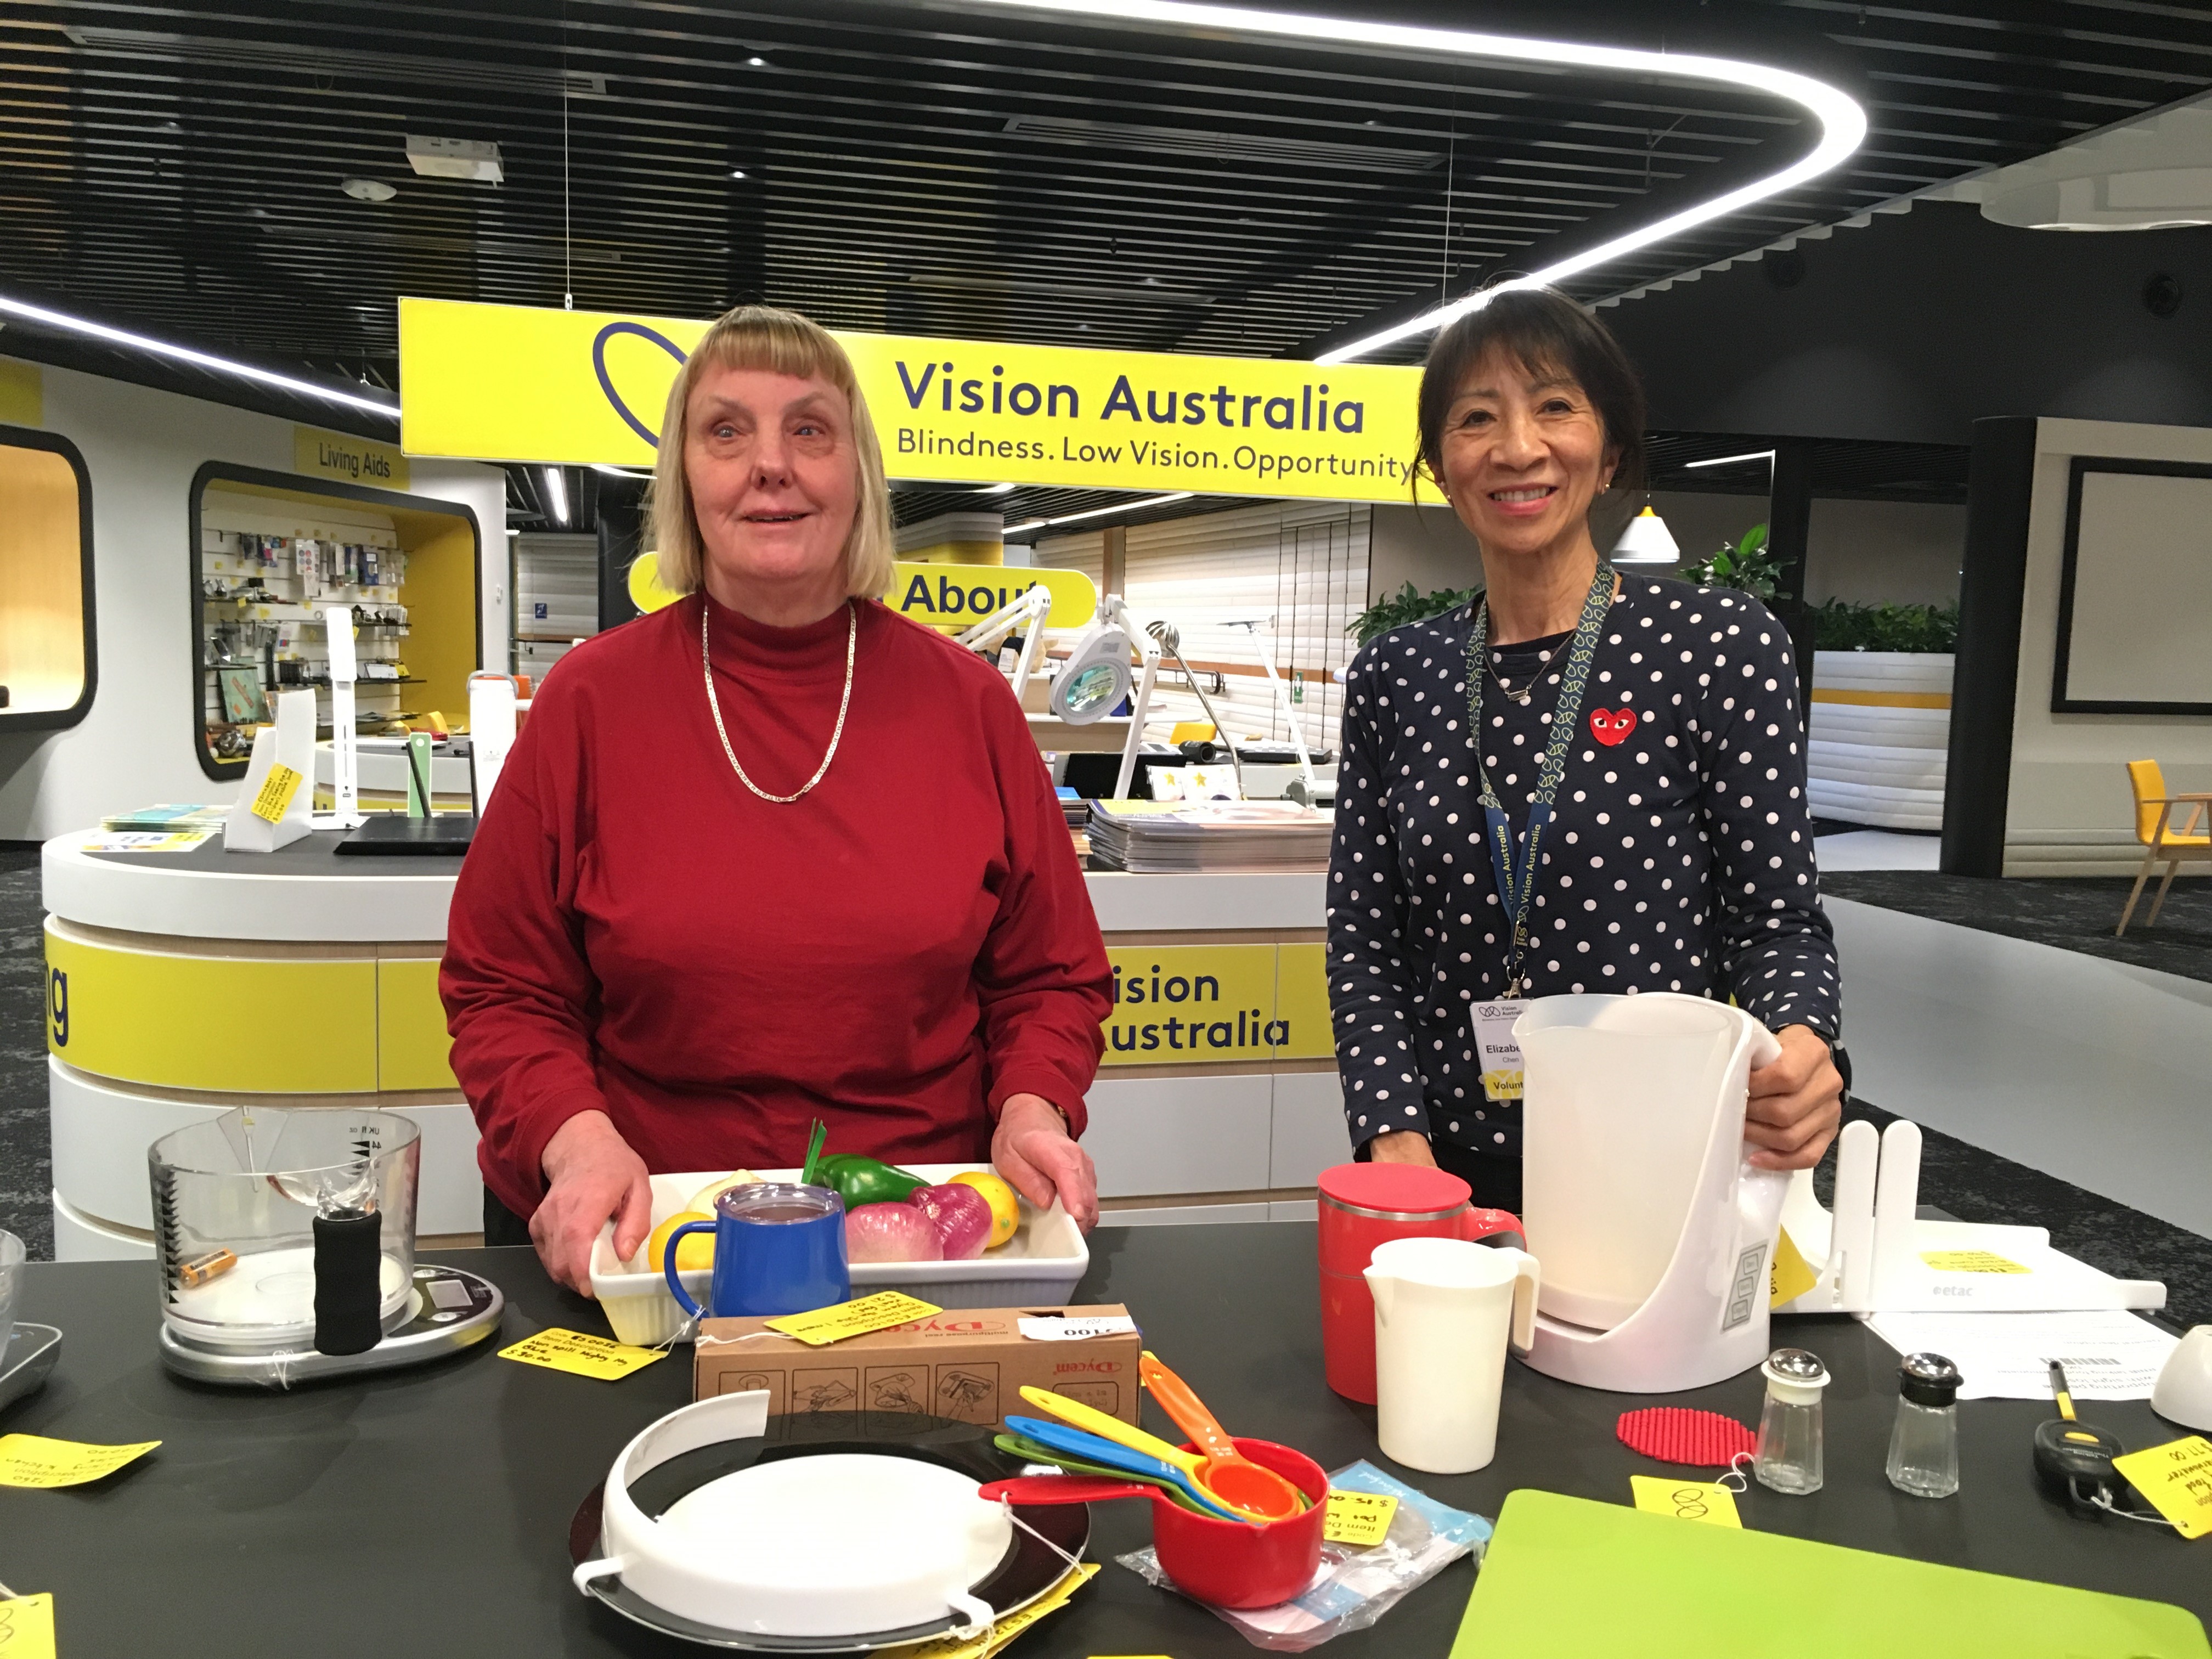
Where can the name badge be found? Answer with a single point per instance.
(1497, 1049)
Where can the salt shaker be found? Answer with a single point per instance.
(1789, 1458)
(1924, 1447)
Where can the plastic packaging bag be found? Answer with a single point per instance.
(1353, 1588)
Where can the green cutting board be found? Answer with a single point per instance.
(1565, 1575)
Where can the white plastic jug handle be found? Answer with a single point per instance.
(1527, 1280)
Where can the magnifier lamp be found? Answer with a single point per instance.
(1171, 640)
(1253, 625)
(1027, 611)
(1097, 678)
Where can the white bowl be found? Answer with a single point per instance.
(1041, 1264)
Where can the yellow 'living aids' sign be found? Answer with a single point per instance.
(517, 383)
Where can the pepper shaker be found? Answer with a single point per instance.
(1924, 1447)
(1790, 1435)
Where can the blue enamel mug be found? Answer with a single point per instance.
(779, 1249)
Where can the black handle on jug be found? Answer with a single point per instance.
(349, 1275)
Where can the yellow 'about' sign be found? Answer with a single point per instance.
(522, 384)
(949, 595)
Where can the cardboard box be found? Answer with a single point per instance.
(967, 1364)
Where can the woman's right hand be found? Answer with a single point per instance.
(1401, 1146)
(591, 1174)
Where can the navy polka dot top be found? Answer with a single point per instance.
(1680, 858)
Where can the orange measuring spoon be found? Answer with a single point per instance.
(1233, 1478)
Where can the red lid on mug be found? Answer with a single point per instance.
(1409, 1191)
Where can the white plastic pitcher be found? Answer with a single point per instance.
(1445, 1309)
(1625, 1097)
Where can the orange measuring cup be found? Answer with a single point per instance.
(1229, 1475)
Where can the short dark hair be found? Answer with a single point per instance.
(1542, 328)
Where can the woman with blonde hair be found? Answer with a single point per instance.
(771, 854)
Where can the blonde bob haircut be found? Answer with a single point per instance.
(781, 342)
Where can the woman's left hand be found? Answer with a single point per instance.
(1796, 1104)
(1032, 1148)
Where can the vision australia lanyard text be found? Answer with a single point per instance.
(1516, 877)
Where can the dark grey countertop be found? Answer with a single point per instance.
(428, 1512)
(314, 854)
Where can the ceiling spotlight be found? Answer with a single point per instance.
(737, 172)
(368, 190)
(758, 63)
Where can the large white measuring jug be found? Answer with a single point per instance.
(1654, 1232)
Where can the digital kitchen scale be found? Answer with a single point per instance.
(446, 1310)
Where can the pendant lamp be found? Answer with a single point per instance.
(1646, 541)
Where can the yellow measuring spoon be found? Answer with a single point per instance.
(1079, 1415)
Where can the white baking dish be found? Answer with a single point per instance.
(1040, 1264)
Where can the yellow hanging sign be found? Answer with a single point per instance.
(521, 383)
(948, 596)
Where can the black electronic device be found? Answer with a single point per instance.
(2074, 1465)
(448, 834)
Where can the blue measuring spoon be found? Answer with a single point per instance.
(1096, 1449)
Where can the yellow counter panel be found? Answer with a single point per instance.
(412, 1049)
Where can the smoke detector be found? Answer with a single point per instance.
(368, 190)
(472, 159)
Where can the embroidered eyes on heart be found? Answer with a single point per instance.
(1610, 725)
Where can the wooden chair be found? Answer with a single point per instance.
(2161, 837)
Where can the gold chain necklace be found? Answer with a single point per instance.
(715, 702)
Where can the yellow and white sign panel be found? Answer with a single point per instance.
(1180, 1004)
(518, 383)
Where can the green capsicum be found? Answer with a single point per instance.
(856, 1179)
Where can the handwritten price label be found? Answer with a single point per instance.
(277, 792)
(1361, 1519)
(879, 1312)
(27, 1627)
(1970, 1261)
(582, 1356)
(1686, 1500)
(32, 1460)
(2176, 1477)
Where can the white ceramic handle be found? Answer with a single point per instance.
(1527, 1280)
(605, 1568)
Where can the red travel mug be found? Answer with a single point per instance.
(1364, 1205)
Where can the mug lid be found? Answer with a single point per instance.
(1413, 1192)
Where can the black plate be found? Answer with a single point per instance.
(1028, 1570)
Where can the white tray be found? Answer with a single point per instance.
(1040, 1264)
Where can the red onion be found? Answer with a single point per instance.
(960, 1215)
(890, 1232)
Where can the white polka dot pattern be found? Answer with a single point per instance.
(1680, 858)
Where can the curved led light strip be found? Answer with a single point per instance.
(187, 354)
(1843, 123)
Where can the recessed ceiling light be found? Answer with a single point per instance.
(737, 172)
(758, 63)
(368, 190)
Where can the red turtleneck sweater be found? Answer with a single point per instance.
(637, 932)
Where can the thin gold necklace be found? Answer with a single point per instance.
(707, 663)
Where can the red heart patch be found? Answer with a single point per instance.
(1610, 725)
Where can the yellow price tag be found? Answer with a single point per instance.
(1789, 1276)
(1004, 1630)
(27, 1627)
(582, 1356)
(1970, 1261)
(1686, 1500)
(1361, 1519)
(879, 1312)
(277, 792)
(2176, 1477)
(32, 1460)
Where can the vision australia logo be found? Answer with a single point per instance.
(605, 337)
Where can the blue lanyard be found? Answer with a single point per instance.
(1516, 876)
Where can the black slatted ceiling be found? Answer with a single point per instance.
(927, 168)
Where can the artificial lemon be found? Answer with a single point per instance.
(694, 1255)
(703, 1199)
(1005, 1208)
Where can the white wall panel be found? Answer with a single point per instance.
(1309, 1132)
(1178, 1135)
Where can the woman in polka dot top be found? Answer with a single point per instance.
(1680, 854)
